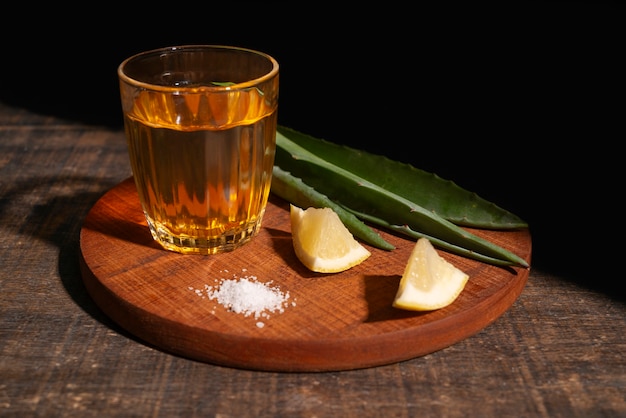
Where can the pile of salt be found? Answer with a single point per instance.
(248, 296)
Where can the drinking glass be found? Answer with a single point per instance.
(200, 124)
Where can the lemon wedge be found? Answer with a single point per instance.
(322, 242)
(429, 282)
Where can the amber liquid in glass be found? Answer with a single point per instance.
(202, 167)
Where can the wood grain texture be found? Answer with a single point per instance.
(556, 352)
(336, 322)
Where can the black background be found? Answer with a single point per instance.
(521, 103)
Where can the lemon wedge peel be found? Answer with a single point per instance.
(429, 282)
(322, 242)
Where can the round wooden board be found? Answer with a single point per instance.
(334, 322)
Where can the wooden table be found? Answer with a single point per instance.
(558, 351)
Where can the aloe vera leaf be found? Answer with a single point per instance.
(343, 186)
(405, 230)
(293, 190)
(428, 190)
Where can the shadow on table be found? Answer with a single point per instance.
(57, 218)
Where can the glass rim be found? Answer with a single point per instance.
(217, 88)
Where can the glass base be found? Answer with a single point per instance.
(185, 244)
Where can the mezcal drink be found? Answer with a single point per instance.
(200, 124)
